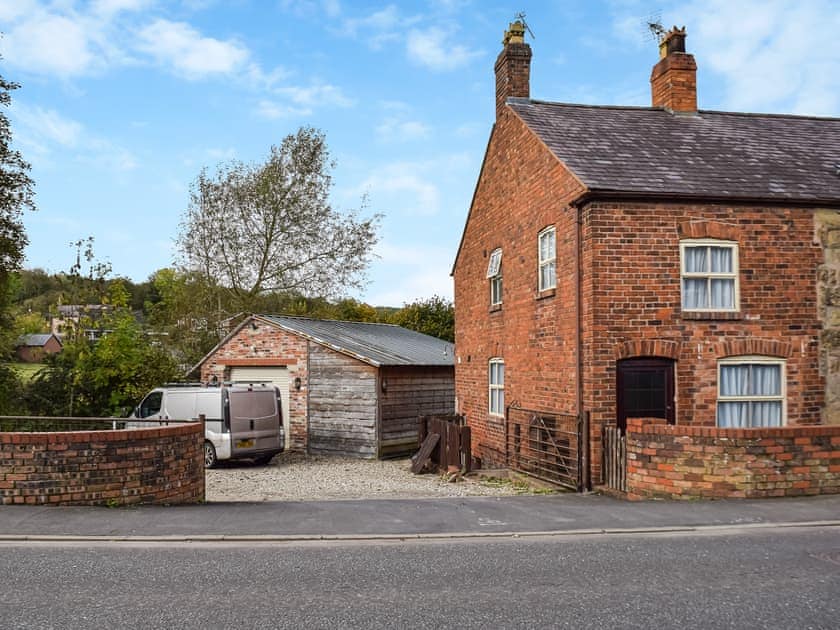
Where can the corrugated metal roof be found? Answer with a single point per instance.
(376, 344)
(710, 154)
(34, 340)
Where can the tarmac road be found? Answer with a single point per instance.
(735, 577)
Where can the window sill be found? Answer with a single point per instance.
(495, 308)
(712, 315)
(546, 293)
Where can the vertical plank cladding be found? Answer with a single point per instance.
(411, 392)
(342, 404)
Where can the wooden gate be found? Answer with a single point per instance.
(615, 458)
(549, 446)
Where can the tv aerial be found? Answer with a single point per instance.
(653, 28)
(520, 17)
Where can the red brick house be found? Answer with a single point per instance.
(347, 388)
(33, 348)
(656, 262)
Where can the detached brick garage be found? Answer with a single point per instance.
(348, 388)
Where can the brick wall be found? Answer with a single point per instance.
(162, 465)
(267, 345)
(632, 302)
(679, 462)
(521, 190)
(630, 296)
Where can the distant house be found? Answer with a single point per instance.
(348, 388)
(71, 316)
(33, 348)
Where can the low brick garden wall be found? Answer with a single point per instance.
(680, 462)
(162, 465)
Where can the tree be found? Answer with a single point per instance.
(106, 377)
(435, 317)
(16, 195)
(256, 229)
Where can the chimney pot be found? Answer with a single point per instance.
(673, 81)
(513, 67)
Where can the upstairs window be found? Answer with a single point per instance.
(709, 271)
(494, 274)
(497, 387)
(751, 392)
(547, 256)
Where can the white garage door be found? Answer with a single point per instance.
(279, 376)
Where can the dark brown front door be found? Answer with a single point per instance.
(645, 390)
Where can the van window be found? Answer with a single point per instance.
(151, 404)
(244, 404)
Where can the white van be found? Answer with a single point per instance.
(241, 420)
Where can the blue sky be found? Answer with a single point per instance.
(124, 101)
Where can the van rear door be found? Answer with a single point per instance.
(255, 423)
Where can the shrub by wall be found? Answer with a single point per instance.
(159, 465)
(678, 461)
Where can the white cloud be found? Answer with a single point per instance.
(52, 44)
(45, 133)
(396, 130)
(315, 94)
(49, 126)
(402, 184)
(302, 100)
(421, 271)
(111, 7)
(773, 56)
(188, 52)
(273, 111)
(433, 49)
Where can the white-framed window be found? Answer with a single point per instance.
(751, 392)
(496, 380)
(548, 256)
(494, 274)
(709, 273)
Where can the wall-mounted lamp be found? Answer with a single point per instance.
(384, 385)
(298, 383)
(214, 380)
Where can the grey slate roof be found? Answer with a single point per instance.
(34, 340)
(712, 154)
(376, 344)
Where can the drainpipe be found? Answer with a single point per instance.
(578, 308)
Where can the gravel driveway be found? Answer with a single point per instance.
(299, 477)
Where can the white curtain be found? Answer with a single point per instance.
(696, 259)
(721, 259)
(723, 294)
(750, 380)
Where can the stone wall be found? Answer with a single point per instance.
(827, 233)
(681, 462)
(160, 465)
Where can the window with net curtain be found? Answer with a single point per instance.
(497, 387)
(547, 258)
(494, 274)
(709, 275)
(751, 392)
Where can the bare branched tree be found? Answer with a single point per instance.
(256, 229)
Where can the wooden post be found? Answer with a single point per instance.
(466, 447)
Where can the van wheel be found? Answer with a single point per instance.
(262, 460)
(209, 454)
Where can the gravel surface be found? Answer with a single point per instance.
(299, 477)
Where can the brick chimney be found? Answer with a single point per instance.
(673, 81)
(513, 67)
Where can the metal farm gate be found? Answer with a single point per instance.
(550, 446)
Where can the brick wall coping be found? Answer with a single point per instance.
(658, 426)
(119, 435)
